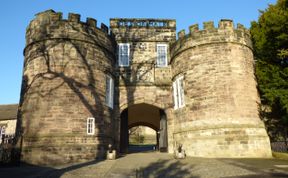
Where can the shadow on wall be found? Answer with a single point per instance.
(140, 72)
(137, 72)
(64, 61)
(69, 69)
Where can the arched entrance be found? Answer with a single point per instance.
(147, 115)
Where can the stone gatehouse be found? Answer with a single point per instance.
(84, 86)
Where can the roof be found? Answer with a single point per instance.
(8, 112)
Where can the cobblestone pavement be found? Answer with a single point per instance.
(155, 164)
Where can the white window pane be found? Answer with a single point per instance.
(123, 50)
(107, 90)
(175, 95)
(90, 126)
(178, 91)
(181, 92)
(111, 92)
(162, 55)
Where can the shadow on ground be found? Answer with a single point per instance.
(156, 165)
(165, 168)
(261, 167)
(25, 170)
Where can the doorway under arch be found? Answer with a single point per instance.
(146, 115)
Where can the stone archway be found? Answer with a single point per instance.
(141, 100)
(143, 114)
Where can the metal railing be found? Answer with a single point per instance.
(279, 146)
(7, 151)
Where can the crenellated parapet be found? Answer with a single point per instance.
(225, 33)
(50, 25)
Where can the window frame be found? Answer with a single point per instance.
(178, 92)
(166, 56)
(109, 97)
(2, 132)
(128, 54)
(90, 126)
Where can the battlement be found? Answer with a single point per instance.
(225, 32)
(51, 25)
(224, 24)
(52, 16)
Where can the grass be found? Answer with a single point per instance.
(143, 144)
(146, 140)
(280, 155)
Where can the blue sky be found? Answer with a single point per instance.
(16, 15)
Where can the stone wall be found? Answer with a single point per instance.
(220, 117)
(143, 81)
(66, 62)
(143, 41)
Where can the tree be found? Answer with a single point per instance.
(270, 40)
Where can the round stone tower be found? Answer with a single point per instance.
(220, 116)
(63, 116)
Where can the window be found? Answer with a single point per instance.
(123, 54)
(90, 126)
(2, 133)
(161, 55)
(109, 91)
(178, 90)
(2, 130)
